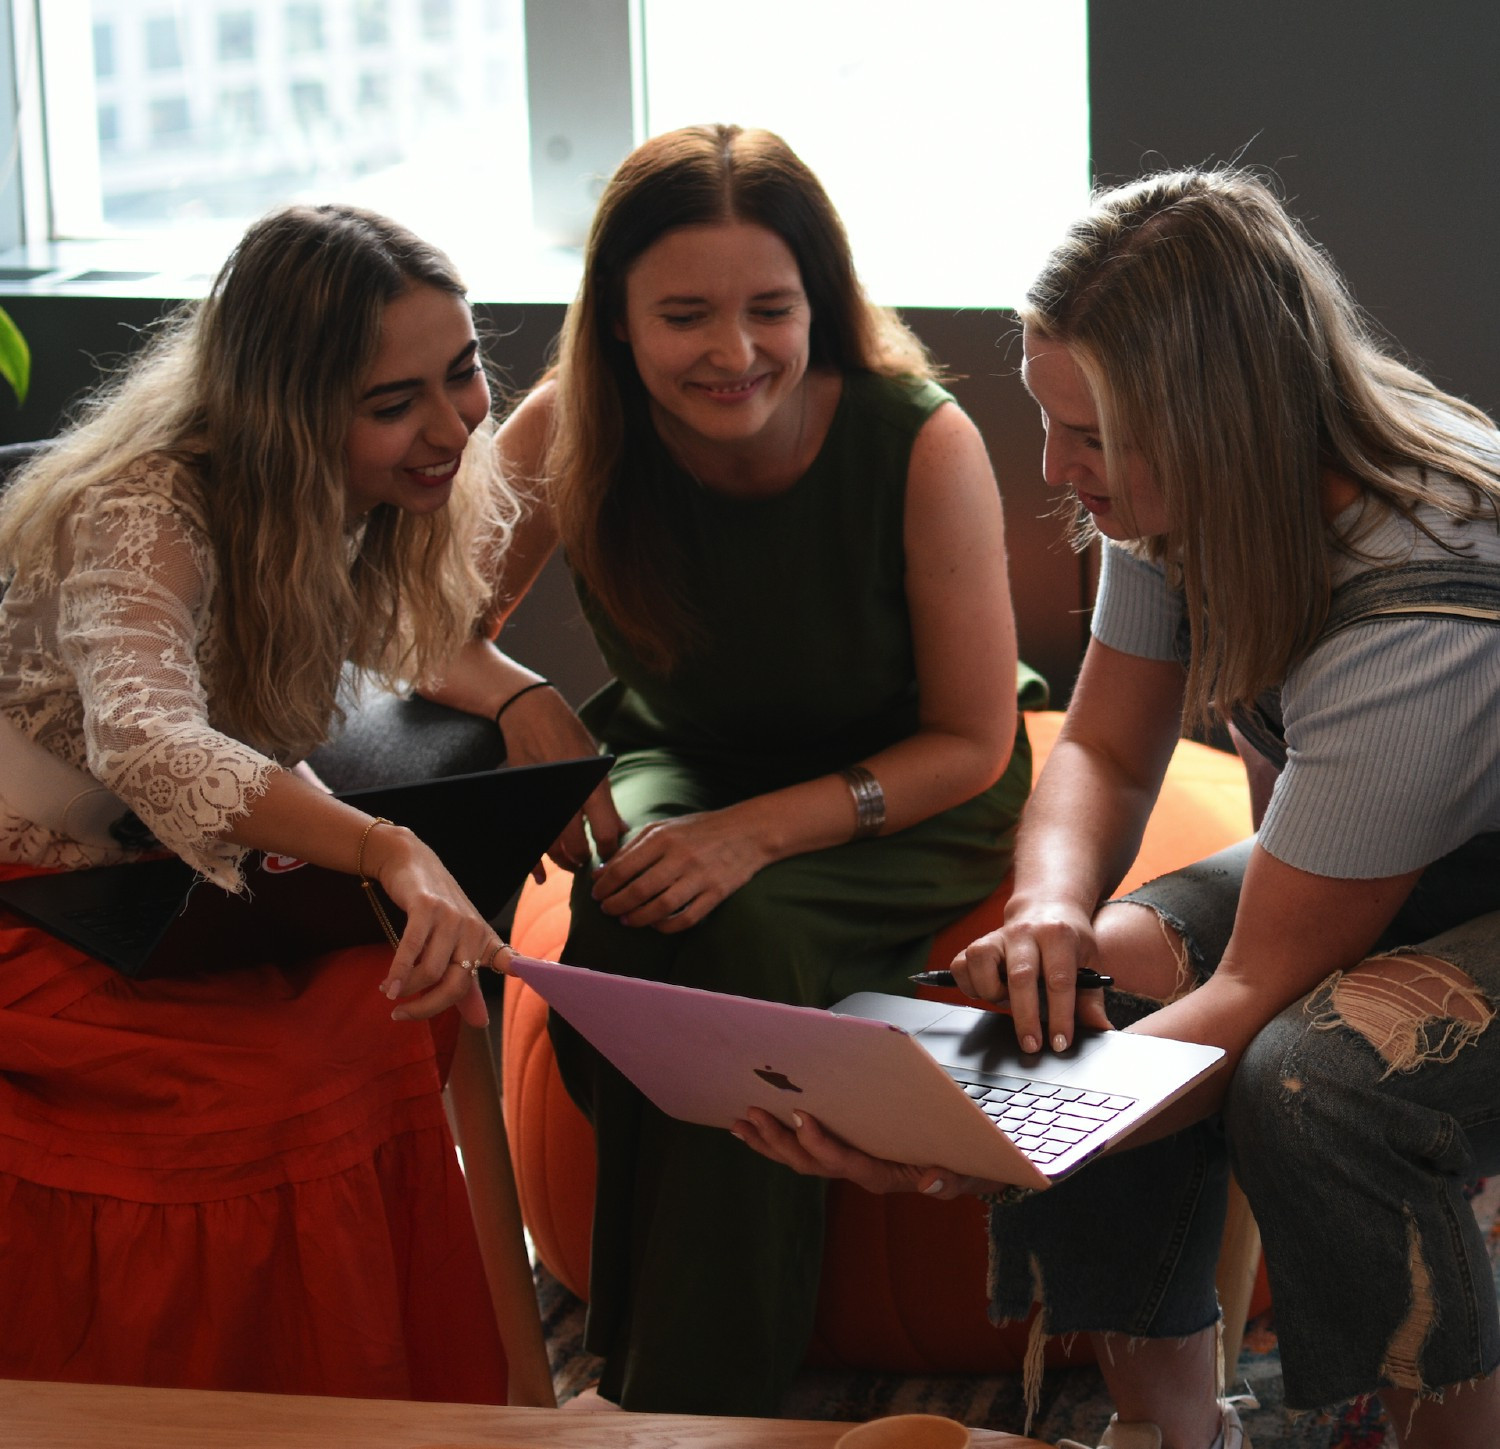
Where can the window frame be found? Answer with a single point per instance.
(586, 108)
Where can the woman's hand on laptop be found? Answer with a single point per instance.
(1037, 965)
(806, 1147)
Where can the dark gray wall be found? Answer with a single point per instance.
(1378, 115)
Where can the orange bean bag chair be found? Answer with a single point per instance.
(903, 1276)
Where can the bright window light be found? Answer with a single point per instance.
(952, 136)
(208, 115)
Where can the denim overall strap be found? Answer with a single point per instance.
(1431, 589)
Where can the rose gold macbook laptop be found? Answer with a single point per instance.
(913, 1081)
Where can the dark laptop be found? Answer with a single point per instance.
(158, 918)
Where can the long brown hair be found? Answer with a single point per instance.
(595, 476)
(253, 390)
(1221, 343)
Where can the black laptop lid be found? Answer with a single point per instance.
(156, 918)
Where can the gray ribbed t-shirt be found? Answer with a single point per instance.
(1392, 726)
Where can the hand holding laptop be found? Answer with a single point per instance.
(905, 1081)
(811, 1149)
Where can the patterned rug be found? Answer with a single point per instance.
(1074, 1404)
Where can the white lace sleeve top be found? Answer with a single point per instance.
(104, 654)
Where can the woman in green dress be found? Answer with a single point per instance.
(788, 540)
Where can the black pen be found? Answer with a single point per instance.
(1088, 980)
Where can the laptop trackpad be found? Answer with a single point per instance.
(969, 1039)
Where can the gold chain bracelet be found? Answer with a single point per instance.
(368, 886)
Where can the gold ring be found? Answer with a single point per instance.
(470, 966)
(489, 957)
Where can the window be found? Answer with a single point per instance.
(489, 124)
(374, 92)
(437, 19)
(104, 51)
(372, 22)
(351, 102)
(236, 36)
(309, 103)
(304, 29)
(932, 166)
(163, 43)
(438, 89)
(167, 119)
(240, 114)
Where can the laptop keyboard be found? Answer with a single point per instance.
(1043, 1119)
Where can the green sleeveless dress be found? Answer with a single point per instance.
(706, 1257)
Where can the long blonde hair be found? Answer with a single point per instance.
(252, 390)
(1221, 343)
(599, 486)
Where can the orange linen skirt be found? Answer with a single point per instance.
(235, 1180)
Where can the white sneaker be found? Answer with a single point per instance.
(1143, 1435)
(1138, 1435)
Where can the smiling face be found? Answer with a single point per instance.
(1123, 507)
(424, 394)
(718, 321)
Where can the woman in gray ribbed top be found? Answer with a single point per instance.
(1299, 536)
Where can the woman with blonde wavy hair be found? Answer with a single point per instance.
(1301, 538)
(242, 1179)
(788, 541)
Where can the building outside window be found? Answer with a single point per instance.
(439, 90)
(304, 29)
(309, 103)
(241, 115)
(168, 119)
(437, 19)
(236, 36)
(372, 22)
(374, 93)
(104, 51)
(324, 124)
(163, 43)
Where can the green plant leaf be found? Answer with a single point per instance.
(15, 357)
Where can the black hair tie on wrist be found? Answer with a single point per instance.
(525, 689)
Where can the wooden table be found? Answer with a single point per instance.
(94, 1416)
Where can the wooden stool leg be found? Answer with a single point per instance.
(479, 1126)
(1239, 1261)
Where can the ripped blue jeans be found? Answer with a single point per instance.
(1354, 1123)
